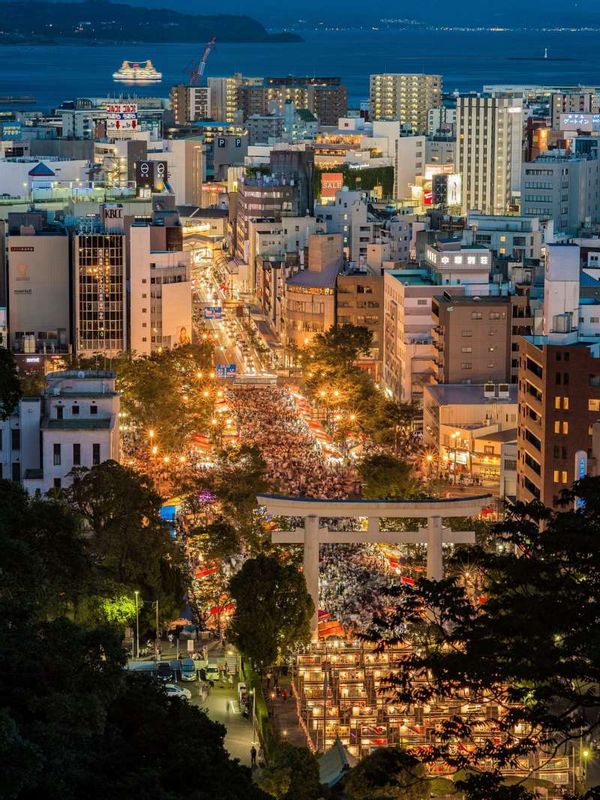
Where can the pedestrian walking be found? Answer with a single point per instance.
(253, 756)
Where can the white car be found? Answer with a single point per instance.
(177, 691)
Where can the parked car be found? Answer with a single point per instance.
(177, 691)
(164, 671)
(188, 669)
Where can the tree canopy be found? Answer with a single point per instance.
(532, 642)
(273, 610)
(73, 722)
(385, 476)
(385, 774)
(10, 386)
(292, 774)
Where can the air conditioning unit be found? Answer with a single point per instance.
(489, 390)
(503, 390)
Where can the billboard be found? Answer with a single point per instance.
(331, 182)
(121, 116)
(580, 122)
(151, 175)
(226, 370)
(213, 312)
(11, 130)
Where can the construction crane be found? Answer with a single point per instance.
(197, 70)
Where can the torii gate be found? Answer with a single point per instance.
(434, 535)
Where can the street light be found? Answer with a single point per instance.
(137, 624)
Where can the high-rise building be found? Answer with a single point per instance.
(99, 263)
(224, 95)
(559, 384)
(326, 98)
(190, 103)
(488, 153)
(407, 98)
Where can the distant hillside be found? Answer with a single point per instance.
(108, 22)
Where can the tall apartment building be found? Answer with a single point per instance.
(186, 167)
(100, 275)
(472, 337)
(189, 103)
(160, 285)
(326, 98)
(562, 188)
(559, 386)
(407, 98)
(39, 290)
(489, 133)
(224, 95)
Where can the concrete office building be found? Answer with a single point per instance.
(584, 101)
(564, 189)
(489, 133)
(39, 289)
(348, 215)
(186, 167)
(160, 285)
(472, 338)
(408, 352)
(512, 237)
(100, 275)
(407, 98)
(115, 161)
(452, 262)
(20, 440)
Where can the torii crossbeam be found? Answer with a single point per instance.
(434, 535)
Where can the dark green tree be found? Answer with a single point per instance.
(131, 544)
(293, 774)
(533, 644)
(10, 386)
(385, 476)
(273, 610)
(238, 476)
(386, 774)
(341, 345)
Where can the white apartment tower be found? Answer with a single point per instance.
(488, 151)
(407, 98)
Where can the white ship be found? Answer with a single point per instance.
(137, 72)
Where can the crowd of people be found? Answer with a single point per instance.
(269, 418)
(354, 584)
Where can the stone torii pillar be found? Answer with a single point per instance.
(311, 536)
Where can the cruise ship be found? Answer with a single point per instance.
(137, 72)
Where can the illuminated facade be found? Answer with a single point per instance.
(100, 297)
(407, 98)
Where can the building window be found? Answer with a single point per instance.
(556, 476)
(593, 405)
(59, 412)
(565, 427)
(76, 455)
(75, 411)
(557, 402)
(466, 333)
(94, 410)
(466, 365)
(466, 349)
(16, 471)
(15, 439)
(95, 454)
(565, 403)
(57, 483)
(564, 477)
(56, 455)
